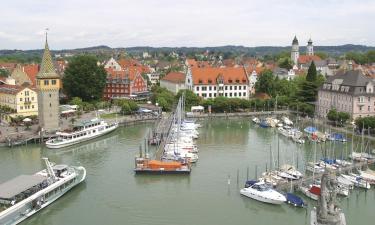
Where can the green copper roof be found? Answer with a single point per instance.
(47, 69)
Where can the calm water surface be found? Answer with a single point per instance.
(112, 194)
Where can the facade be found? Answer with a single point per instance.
(23, 100)
(350, 92)
(282, 73)
(48, 86)
(173, 81)
(124, 84)
(211, 82)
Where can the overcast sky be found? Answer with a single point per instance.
(127, 23)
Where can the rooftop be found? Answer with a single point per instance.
(19, 184)
(175, 77)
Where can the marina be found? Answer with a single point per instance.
(237, 145)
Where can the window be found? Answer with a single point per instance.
(46, 82)
(226, 94)
(215, 88)
(204, 88)
(244, 87)
(204, 95)
(244, 94)
(21, 107)
(235, 94)
(215, 95)
(53, 82)
(200, 81)
(230, 94)
(197, 88)
(235, 87)
(32, 106)
(50, 95)
(210, 95)
(50, 105)
(239, 87)
(20, 99)
(239, 94)
(210, 88)
(230, 87)
(209, 81)
(226, 87)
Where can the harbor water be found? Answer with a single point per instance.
(230, 151)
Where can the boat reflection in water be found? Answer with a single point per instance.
(101, 143)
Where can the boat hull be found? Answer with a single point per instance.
(261, 198)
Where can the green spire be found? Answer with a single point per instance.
(47, 69)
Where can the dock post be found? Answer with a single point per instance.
(238, 174)
(256, 172)
(247, 174)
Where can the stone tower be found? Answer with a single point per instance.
(295, 51)
(48, 86)
(310, 48)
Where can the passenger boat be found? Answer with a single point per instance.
(25, 195)
(84, 131)
(262, 192)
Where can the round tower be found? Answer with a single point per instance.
(310, 48)
(295, 51)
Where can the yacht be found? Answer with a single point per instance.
(84, 131)
(311, 191)
(356, 180)
(262, 192)
(25, 195)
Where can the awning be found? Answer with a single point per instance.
(19, 184)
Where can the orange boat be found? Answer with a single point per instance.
(143, 165)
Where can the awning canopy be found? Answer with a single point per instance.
(19, 184)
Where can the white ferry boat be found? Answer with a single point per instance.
(25, 195)
(84, 131)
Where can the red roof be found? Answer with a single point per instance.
(31, 70)
(131, 73)
(209, 75)
(10, 89)
(133, 64)
(175, 77)
(303, 59)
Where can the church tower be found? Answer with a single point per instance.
(48, 86)
(310, 48)
(295, 51)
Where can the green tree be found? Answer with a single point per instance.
(321, 55)
(311, 73)
(285, 63)
(191, 99)
(84, 78)
(265, 82)
(4, 73)
(76, 101)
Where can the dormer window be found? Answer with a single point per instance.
(209, 81)
(230, 81)
(244, 81)
(200, 81)
(237, 81)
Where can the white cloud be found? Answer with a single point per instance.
(124, 23)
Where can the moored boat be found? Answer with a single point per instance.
(262, 192)
(84, 131)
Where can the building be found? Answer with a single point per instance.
(350, 92)
(173, 81)
(294, 55)
(124, 84)
(211, 82)
(23, 100)
(282, 73)
(303, 61)
(48, 86)
(20, 76)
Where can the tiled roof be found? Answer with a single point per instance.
(175, 77)
(133, 64)
(303, 59)
(20, 76)
(10, 89)
(130, 73)
(230, 75)
(31, 70)
(47, 69)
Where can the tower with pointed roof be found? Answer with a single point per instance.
(48, 86)
(310, 48)
(295, 51)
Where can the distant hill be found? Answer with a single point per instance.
(255, 51)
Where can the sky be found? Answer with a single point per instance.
(190, 23)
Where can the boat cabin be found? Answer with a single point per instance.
(20, 188)
(60, 170)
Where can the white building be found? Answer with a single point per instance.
(211, 82)
(173, 81)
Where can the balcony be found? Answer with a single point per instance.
(361, 103)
